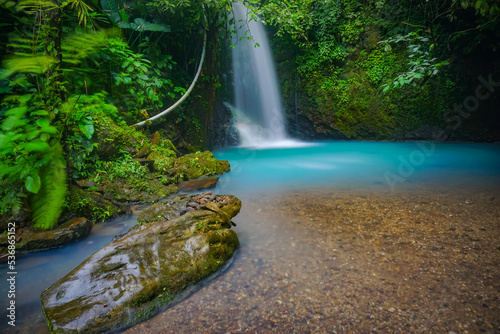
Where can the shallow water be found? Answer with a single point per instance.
(39, 270)
(349, 261)
(280, 254)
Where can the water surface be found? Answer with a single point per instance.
(275, 248)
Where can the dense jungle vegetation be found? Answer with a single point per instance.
(393, 70)
(72, 69)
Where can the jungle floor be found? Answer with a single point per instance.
(419, 261)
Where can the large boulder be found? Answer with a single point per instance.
(135, 276)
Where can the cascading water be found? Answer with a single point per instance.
(258, 111)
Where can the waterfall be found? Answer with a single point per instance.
(258, 109)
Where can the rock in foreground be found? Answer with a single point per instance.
(31, 239)
(132, 278)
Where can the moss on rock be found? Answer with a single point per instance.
(112, 137)
(137, 190)
(163, 158)
(135, 276)
(195, 165)
(31, 239)
(93, 205)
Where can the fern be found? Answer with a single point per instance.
(10, 198)
(47, 204)
(80, 45)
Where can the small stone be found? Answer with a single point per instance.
(194, 205)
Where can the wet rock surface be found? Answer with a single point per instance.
(199, 184)
(30, 239)
(179, 205)
(420, 261)
(146, 269)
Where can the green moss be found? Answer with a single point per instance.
(195, 165)
(114, 137)
(164, 158)
(90, 205)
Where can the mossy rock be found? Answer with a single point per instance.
(32, 239)
(199, 184)
(195, 165)
(180, 205)
(168, 209)
(164, 158)
(111, 138)
(137, 190)
(141, 273)
(93, 205)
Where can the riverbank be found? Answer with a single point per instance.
(412, 261)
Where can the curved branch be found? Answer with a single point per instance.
(187, 92)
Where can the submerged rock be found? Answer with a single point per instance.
(132, 278)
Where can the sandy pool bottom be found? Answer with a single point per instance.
(425, 261)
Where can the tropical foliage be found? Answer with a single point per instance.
(378, 69)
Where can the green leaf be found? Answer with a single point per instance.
(123, 15)
(36, 146)
(110, 7)
(43, 122)
(10, 123)
(39, 113)
(140, 24)
(50, 129)
(48, 202)
(86, 129)
(33, 183)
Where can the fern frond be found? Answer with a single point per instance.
(37, 64)
(80, 45)
(47, 204)
(10, 198)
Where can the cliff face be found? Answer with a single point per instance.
(338, 91)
